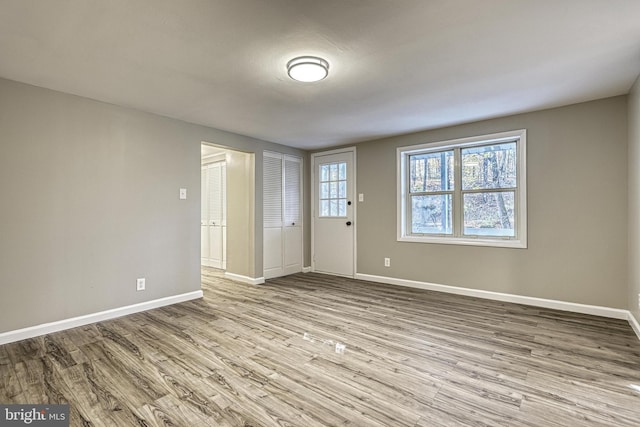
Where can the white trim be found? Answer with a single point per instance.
(244, 279)
(355, 212)
(306, 269)
(354, 203)
(596, 310)
(468, 241)
(336, 151)
(213, 158)
(634, 323)
(74, 322)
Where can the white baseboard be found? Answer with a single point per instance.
(74, 322)
(244, 279)
(634, 324)
(306, 269)
(596, 310)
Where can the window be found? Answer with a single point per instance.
(469, 191)
(333, 189)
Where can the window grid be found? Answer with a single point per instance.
(333, 189)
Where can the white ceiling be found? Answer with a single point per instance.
(397, 66)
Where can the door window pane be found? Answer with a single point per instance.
(342, 168)
(324, 173)
(342, 207)
(333, 211)
(324, 190)
(333, 192)
(324, 208)
(333, 172)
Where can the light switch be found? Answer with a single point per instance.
(361, 197)
(183, 194)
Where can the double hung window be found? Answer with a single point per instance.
(468, 191)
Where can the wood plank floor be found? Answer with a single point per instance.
(240, 357)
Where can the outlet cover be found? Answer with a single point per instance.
(183, 194)
(140, 284)
(387, 262)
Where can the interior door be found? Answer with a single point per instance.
(292, 230)
(213, 217)
(204, 217)
(333, 216)
(215, 214)
(272, 215)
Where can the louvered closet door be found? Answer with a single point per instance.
(292, 215)
(282, 210)
(272, 215)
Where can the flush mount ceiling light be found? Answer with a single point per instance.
(308, 69)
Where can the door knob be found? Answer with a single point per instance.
(348, 223)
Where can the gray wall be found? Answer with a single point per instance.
(577, 211)
(634, 199)
(90, 202)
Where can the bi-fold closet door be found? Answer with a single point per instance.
(282, 214)
(213, 220)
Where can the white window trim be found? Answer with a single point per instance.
(520, 241)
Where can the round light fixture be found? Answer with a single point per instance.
(308, 69)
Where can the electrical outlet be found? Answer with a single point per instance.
(140, 284)
(387, 262)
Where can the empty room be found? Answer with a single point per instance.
(320, 213)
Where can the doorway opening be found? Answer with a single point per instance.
(227, 221)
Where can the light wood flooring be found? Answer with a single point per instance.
(239, 357)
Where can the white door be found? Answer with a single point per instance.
(282, 214)
(292, 248)
(334, 213)
(272, 214)
(213, 218)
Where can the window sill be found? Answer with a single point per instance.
(497, 243)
